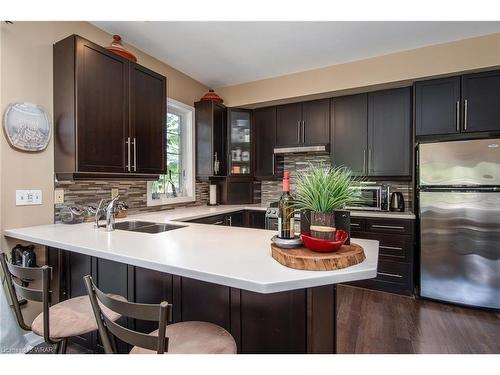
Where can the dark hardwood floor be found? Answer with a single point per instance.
(378, 322)
(385, 323)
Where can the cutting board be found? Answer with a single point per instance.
(305, 259)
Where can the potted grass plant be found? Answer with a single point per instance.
(322, 190)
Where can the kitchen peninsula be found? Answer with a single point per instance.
(224, 275)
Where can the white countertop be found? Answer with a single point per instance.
(197, 212)
(231, 256)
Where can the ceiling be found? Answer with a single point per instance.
(228, 53)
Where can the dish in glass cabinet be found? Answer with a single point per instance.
(27, 126)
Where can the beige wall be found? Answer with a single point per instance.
(26, 75)
(401, 67)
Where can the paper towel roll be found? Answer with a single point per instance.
(213, 194)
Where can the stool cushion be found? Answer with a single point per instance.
(72, 317)
(194, 338)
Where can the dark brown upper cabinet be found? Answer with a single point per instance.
(109, 114)
(349, 132)
(210, 130)
(239, 141)
(371, 133)
(481, 102)
(457, 105)
(437, 106)
(303, 124)
(264, 121)
(148, 110)
(389, 132)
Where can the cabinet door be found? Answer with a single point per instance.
(437, 106)
(236, 220)
(316, 122)
(349, 132)
(481, 94)
(204, 301)
(112, 277)
(103, 110)
(77, 267)
(389, 125)
(219, 134)
(264, 121)
(148, 118)
(288, 118)
(150, 287)
(273, 323)
(239, 141)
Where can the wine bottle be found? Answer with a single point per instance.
(286, 210)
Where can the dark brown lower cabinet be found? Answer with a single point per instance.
(297, 321)
(396, 260)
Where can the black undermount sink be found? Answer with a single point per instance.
(146, 226)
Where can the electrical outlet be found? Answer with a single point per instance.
(114, 193)
(28, 197)
(58, 196)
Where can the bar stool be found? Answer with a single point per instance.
(55, 323)
(180, 338)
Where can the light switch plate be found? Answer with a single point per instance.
(28, 197)
(114, 193)
(58, 196)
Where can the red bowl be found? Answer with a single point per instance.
(325, 246)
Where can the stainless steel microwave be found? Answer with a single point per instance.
(373, 197)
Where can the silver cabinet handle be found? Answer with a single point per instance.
(274, 157)
(364, 160)
(230, 219)
(128, 153)
(389, 274)
(388, 226)
(391, 247)
(458, 116)
(465, 114)
(135, 155)
(357, 225)
(303, 132)
(219, 223)
(369, 159)
(298, 132)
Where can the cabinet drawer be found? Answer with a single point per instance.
(394, 272)
(358, 225)
(393, 277)
(392, 247)
(389, 226)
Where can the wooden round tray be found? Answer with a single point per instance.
(305, 259)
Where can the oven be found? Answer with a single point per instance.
(373, 197)
(272, 218)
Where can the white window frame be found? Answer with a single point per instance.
(188, 160)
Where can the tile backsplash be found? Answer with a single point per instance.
(271, 189)
(134, 193)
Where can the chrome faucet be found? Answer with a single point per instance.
(110, 217)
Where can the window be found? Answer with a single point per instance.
(177, 184)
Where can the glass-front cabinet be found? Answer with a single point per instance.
(240, 141)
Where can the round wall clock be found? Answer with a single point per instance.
(27, 126)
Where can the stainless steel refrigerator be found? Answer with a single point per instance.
(459, 212)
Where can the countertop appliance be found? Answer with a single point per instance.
(375, 197)
(397, 202)
(459, 212)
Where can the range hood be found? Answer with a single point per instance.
(324, 149)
